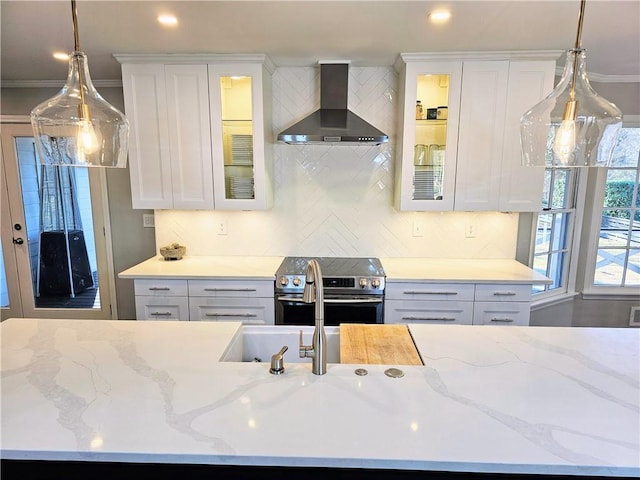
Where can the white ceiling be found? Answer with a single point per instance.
(304, 31)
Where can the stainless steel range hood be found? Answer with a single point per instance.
(333, 123)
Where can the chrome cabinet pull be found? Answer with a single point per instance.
(229, 289)
(502, 320)
(418, 292)
(352, 300)
(504, 294)
(159, 288)
(443, 319)
(230, 315)
(333, 300)
(161, 314)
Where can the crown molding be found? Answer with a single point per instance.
(55, 83)
(603, 78)
(15, 119)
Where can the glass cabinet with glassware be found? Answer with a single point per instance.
(199, 130)
(459, 145)
(429, 130)
(240, 161)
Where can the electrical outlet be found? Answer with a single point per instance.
(634, 317)
(418, 228)
(148, 220)
(222, 227)
(470, 230)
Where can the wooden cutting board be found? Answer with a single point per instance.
(377, 344)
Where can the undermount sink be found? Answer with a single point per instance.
(259, 342)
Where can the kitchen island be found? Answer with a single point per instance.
(93, 396)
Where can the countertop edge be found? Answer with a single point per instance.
(323, 462)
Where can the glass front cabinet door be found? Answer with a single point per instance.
(241, 163)
(429, 133)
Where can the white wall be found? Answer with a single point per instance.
(337, 200)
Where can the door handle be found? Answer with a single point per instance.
(18, 241)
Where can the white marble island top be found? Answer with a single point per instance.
(543, 400)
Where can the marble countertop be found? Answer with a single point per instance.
(203, 267)
(456, 270)
(545, 400)
(396, 269)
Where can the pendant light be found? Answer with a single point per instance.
(77, 127)
(573, 126)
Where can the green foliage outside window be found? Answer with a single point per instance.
(620, 194)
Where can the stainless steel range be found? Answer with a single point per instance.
(353, 291)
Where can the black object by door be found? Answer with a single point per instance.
(63, 255)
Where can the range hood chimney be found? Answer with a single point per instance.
(333, 123)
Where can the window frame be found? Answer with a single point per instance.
(591, 290)
(568, 288)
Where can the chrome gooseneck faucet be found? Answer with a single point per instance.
(313, 293)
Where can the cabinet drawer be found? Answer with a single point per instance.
(246, 310)
(459, 292)
(161, 287)
(158, 308)
(231, 288)
(414, 311)
(501, 313)
(503, 293)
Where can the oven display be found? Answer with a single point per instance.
(338, 282)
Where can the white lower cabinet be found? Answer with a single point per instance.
(245, 310)
(421, 311)
(429, 303)
(457, 303)
(162, 308)
(501, 313)
(248, 301)
(161, 299)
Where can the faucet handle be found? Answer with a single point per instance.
(305, 351)
(277, 362)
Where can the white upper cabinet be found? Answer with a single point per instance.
(240, 100)
(428, 141)
(189, 136)
(200, 130)
(145, 101)
(521, 187)
(471, 160)
(481, 135)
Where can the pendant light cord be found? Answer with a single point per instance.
(83, 108)
(571, 107)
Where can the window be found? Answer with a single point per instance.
(614, 256)
(554, 230)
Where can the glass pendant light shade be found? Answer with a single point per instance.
(77, 127)
(573, 126)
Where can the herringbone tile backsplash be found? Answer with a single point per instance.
(337, 200)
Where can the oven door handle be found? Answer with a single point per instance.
(333, 300)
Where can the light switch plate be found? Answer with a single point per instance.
(634, 317)
(418, 228)
(148, 220)
(222, 226)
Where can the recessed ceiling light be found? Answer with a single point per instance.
(439, 16)
(61, 56)
(168, 20)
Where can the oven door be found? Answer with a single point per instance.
(291, 310)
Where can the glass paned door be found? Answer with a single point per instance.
(237, 136)
(430, 136)
(52, 210)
